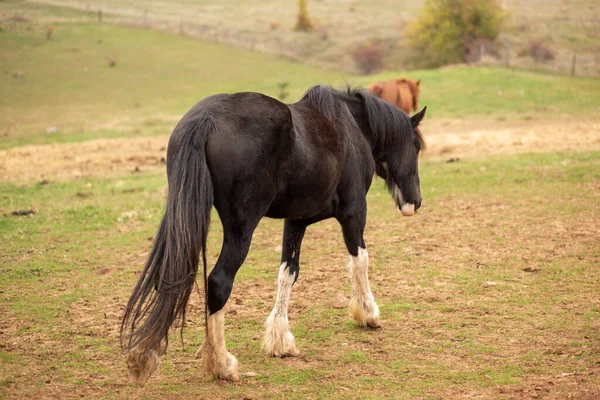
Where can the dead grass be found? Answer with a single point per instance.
(445, 139)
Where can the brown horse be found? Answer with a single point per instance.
(402, 92)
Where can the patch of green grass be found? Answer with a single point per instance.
(354, 356)
(497, 93)
(564, 27)
(68, 92)
(67, 82)
(8, 357)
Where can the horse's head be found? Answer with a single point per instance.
(400, 169)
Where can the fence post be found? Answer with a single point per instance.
(573, 64)
(99, 15)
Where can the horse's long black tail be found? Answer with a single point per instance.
(163, 290)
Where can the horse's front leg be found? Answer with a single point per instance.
(278, 340)
(363, 307)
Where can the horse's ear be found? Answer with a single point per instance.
(418, 82)
(416, 119)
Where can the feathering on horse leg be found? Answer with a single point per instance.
(278, 341)
(363, 307)
(217, 362)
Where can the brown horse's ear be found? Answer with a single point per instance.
(418, 82)
(416, 119)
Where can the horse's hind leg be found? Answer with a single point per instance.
(363, 308)
(278, 341)
(216, 360)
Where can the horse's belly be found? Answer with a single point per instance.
(299, 205)
(303, 200)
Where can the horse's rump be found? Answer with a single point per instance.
(401, 92)
(405, 97)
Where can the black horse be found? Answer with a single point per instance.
(252, 156)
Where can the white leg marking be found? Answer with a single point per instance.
(216, 360)
(278, 341)
(362, 306)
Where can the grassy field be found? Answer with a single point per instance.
(67, 82)
(68, 92)
(491, 291)
(461, 314)
(565, 27)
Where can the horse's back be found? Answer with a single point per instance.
(390, 92)
(244, 124)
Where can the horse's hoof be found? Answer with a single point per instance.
(374, 324)
(231, 370)
(366, 314)
(142, 365)
(213, 366)
(279, 343)
(227, 371)
(289, 350)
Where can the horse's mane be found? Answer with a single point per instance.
(391, 130)
(390, 127)
(326, 100)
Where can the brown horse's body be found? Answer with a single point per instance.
(403, 93)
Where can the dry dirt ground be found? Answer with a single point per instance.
(320, 282)
(448, 138)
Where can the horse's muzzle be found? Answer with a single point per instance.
(408, 209)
